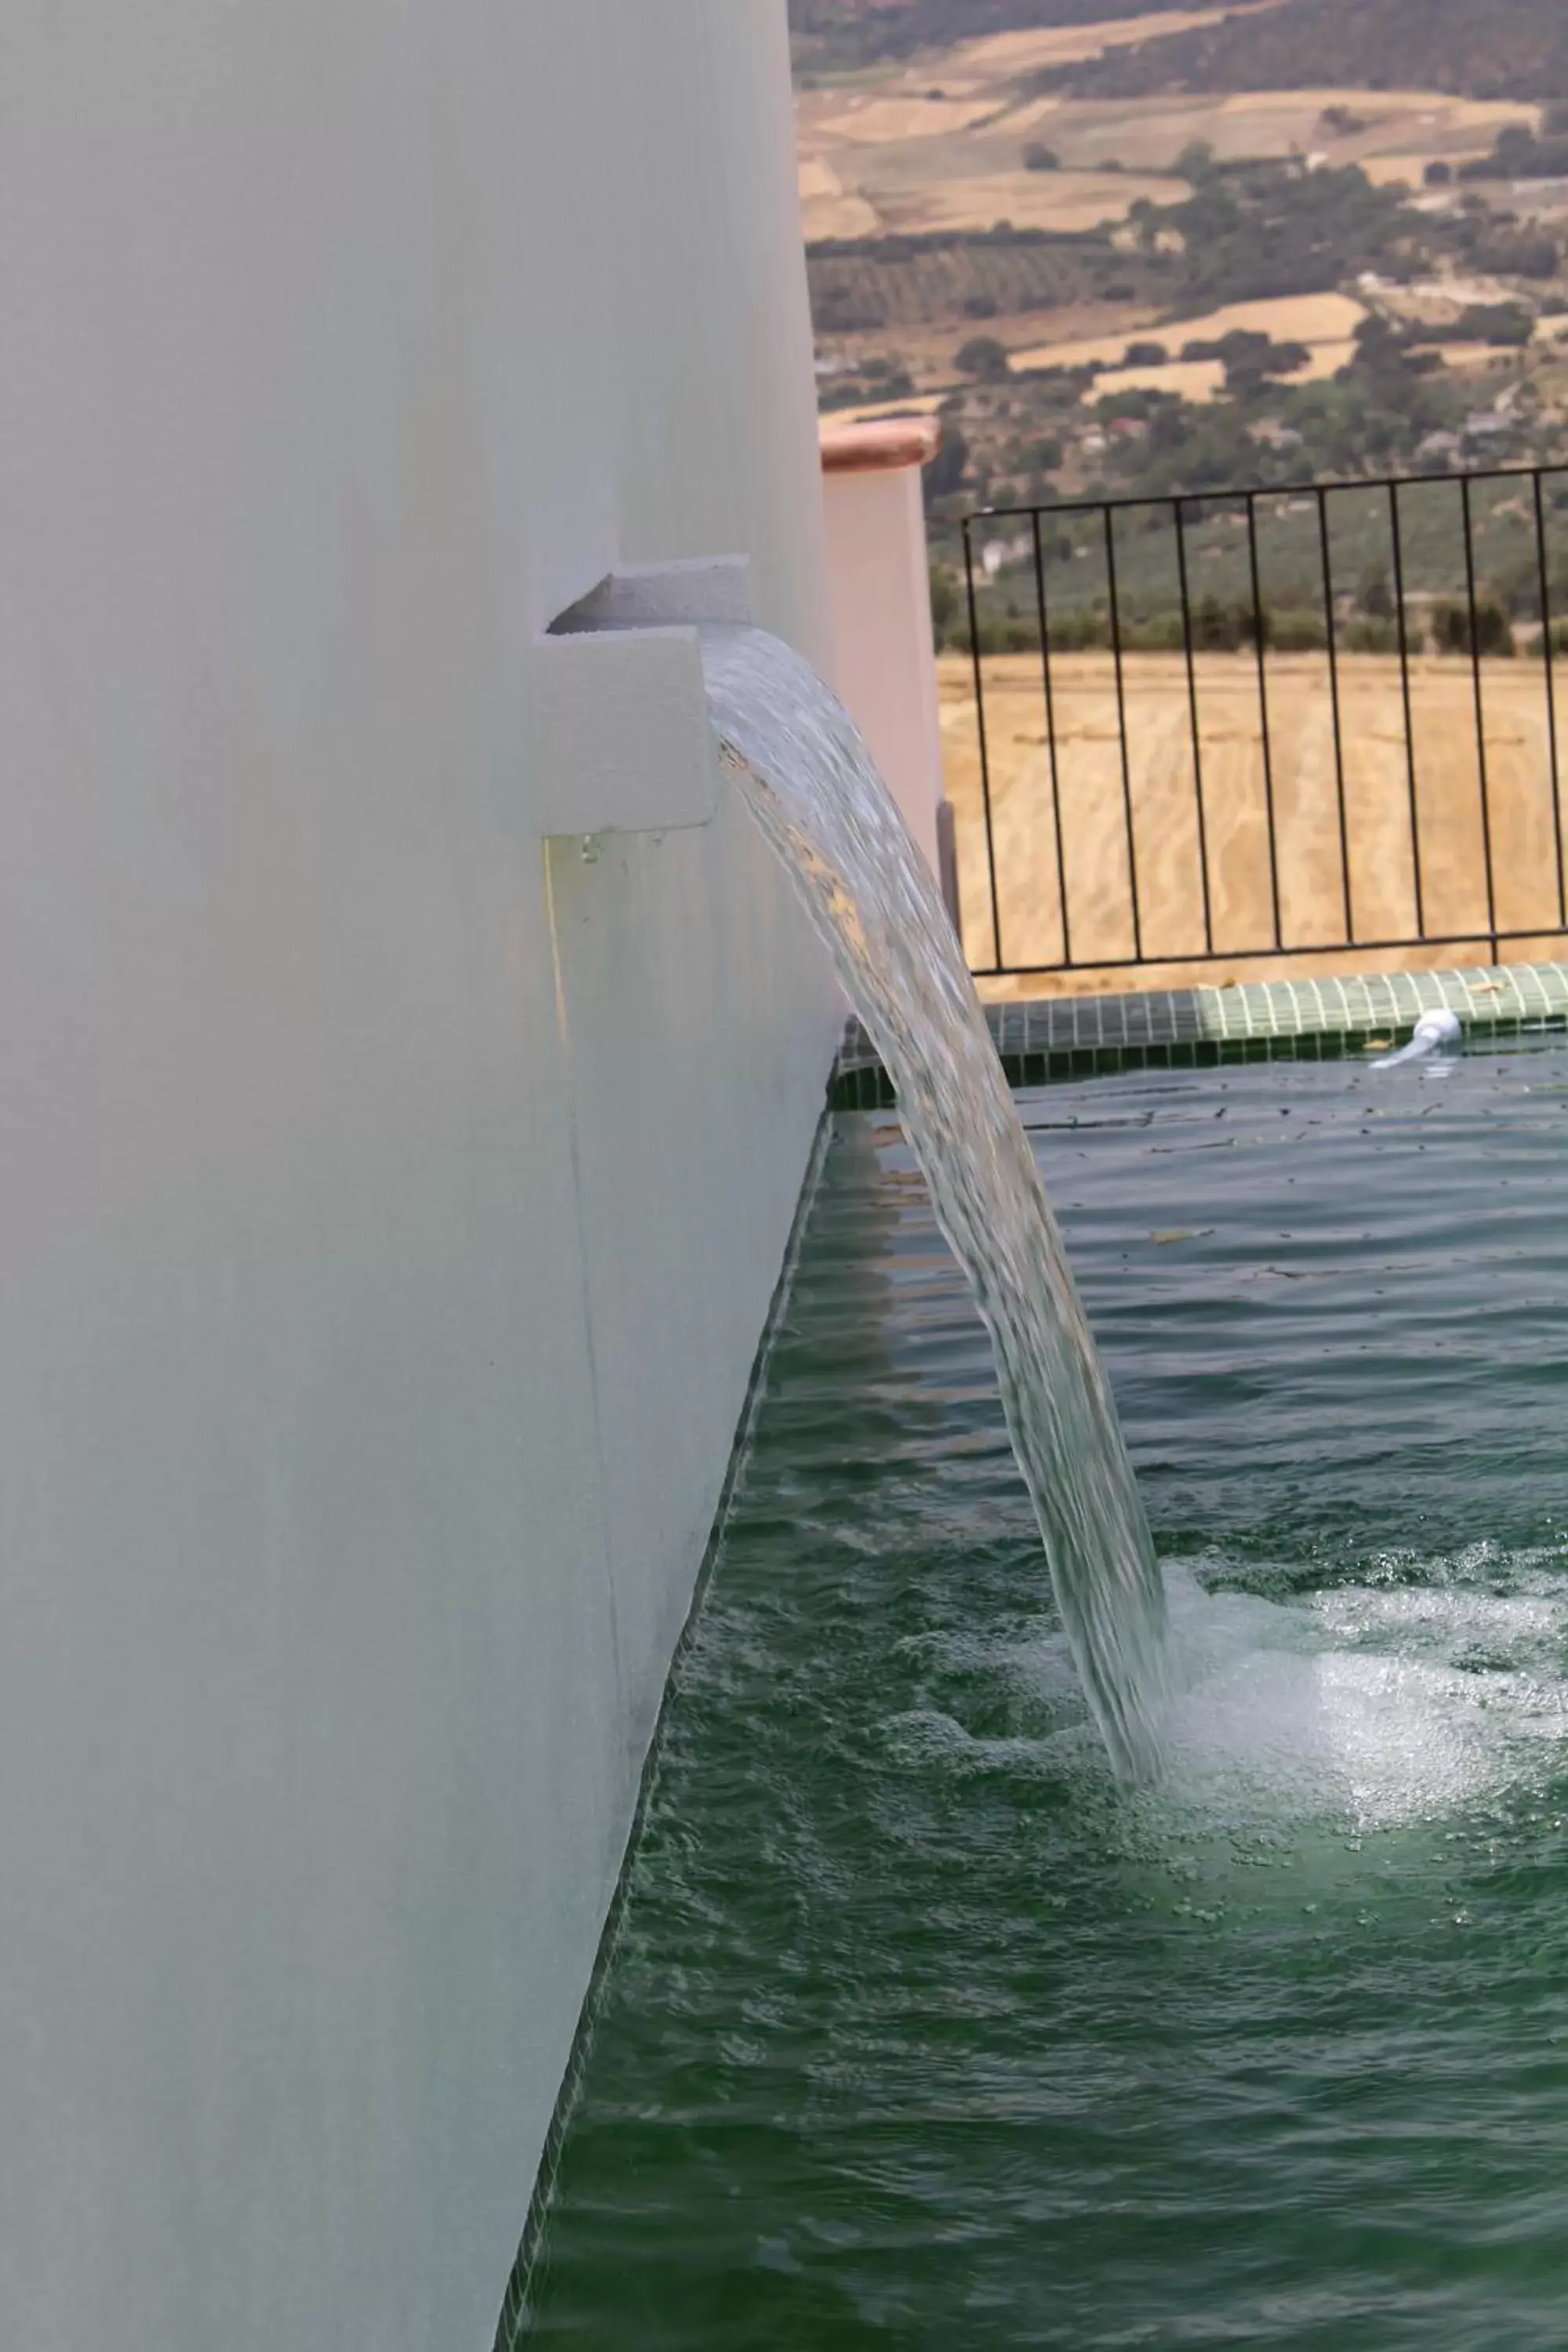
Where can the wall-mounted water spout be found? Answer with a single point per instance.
(657, 688)
(616, 691)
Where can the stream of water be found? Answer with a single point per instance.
(811, 786)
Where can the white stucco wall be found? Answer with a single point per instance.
(381, 1273)
(879, 578)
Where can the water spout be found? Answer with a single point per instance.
(809, 782)
(1435, 1032)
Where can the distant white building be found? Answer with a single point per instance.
(997, 553)
(1271, 433)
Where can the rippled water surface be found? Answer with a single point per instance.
(919, 2032)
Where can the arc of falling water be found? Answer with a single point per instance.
(809, 782)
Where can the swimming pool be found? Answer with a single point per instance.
(918, 2031)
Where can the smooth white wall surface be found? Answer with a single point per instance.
(390, 1207)
(879, 576)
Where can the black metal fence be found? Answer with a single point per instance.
(1356, 747)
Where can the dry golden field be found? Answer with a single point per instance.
(1165, 834)
(999, 56)
(1325, 323)
(1309, 319)
(1392, 134)
(1203, 381)
(1199, 381)
(1065, 202)
(870, 412)
(939, 146)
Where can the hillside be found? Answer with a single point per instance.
(1476, 48)
(842, 36)
(1244, 243)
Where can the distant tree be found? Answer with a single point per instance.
(1495, 322)
(1038, 157)
(1251, 359)
(1373, 594)
(984, 358)
(1535, 257)
(843, 311)
(980, 305)
(1379, 347)
(1493, 631)
(944, 475)
(1195, 163)
(1514, 148)
(1145, 355)
(1216, 626)
(944, 602)
(1439, 175)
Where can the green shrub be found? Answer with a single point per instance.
(1296, 633)
(984, 357)
(1451, 628)
(1371, 636)
(1160, 634)
(945, 603)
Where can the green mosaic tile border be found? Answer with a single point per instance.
(1192, 1028)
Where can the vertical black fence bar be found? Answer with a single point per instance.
(1121, 725)
(1180, 510)
(1051, 737)
(1260, 640)
(984, 749)
(1481, 763)
(1397, 533)
(1548, 661)
(1329, 622)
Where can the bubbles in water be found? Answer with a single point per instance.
(812, 787)
(1359, 1708)
(1372, 1706)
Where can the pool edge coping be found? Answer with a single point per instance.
(1042, 1041)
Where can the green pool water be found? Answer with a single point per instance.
(918, 2031)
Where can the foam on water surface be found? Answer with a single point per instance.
(1373, 1706)
(1359, 1709)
